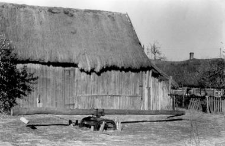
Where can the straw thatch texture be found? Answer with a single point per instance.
(90, 39)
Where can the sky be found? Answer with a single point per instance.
(179, 26)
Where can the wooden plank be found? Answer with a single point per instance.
(189, 106)
(223, 106)
(63, 111)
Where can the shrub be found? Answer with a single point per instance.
(14, 83)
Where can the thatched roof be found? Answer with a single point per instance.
(90, 39)
(187, 73)
(165, 76)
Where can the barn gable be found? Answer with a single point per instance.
(84, 59)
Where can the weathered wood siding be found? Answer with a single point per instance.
(71, 88)
(68, 87)
(159, 96)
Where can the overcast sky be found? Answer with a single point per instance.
(180, 26)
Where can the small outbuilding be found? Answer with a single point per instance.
(84, 59)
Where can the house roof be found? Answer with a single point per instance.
(91, 39)
(188, 73)
(164, 76)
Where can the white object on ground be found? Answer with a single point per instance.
(24, 120)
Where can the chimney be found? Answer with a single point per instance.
(191, 55)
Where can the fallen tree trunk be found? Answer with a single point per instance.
(58, 111)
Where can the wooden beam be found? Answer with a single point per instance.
(57, 111)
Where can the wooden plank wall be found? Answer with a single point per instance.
(71, 88)
(160, 98)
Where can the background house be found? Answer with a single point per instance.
(84, 59)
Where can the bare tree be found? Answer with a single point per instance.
(155, 49)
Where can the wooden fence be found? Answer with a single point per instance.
(212, 104)
(195, 104)
(215, 104)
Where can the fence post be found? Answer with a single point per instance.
(207, 103)
(173, 98)
(183, 101)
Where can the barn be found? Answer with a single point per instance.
(84, 59)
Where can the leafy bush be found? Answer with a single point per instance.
(14, 83)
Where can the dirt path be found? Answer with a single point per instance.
(194, 128)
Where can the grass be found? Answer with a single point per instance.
(195, 129)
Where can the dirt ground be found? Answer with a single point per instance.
(194, 128)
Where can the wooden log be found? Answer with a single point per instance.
(58, 111)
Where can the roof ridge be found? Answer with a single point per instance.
(56, 7)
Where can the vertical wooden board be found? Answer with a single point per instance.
(113, 91)
(111, 82)
(57, 79)
(49, 84)
(59, 94)
(41, 86)
(72, 82)
(86, 83)
(75, 98)
(126, 89)
(105, 83)
(124, 79)
(38, 85)
(69, 89)
(80, 84)
(65, 86)
(155, 104)
(131, 79)
(129, 86)
(153, 93)
(146, 80)
(96, 83)
(222, 106)
(137, 81)
(120, 83)
(33, 70)
(68, 86)
(116, 82)
(44, 87)
(54, 88)
(103, 79)
(159, 99)
(48, 95)
(92, 83)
